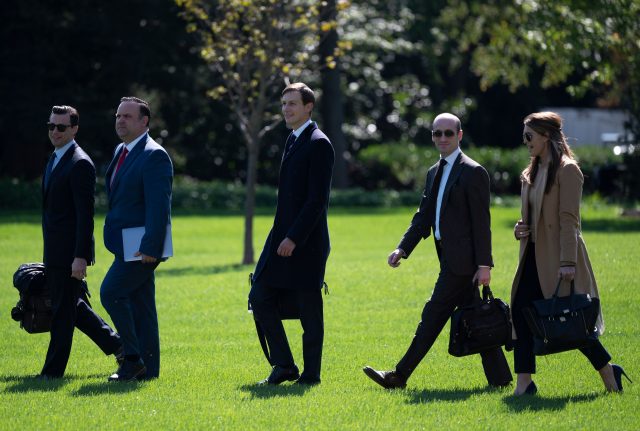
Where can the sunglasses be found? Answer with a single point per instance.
(527, 136)
(60, 127)
(438, 133)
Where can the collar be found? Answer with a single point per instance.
(451, 158)
(62, 150)
(300, 129)
(133, 143)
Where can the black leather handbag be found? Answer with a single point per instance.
(482, 325)
(563, 323)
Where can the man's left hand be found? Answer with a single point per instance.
(482, 275)
(145, 258)
(79, 268)
(285, 249)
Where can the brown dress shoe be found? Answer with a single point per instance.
(386, 379)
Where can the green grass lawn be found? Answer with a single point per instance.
(211, 358)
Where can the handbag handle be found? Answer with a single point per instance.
(555, 295)
(486, 292)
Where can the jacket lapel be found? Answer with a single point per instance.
(128, 161)
(303, 139)
(59, 167)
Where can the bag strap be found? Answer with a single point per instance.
(260, 332)
(486, 293)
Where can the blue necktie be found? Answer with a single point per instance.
(47, 174)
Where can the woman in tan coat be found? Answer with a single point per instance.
(551, 244)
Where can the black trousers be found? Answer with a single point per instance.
(264, 302)
(450, 291)
(524, 360)
(71, 311)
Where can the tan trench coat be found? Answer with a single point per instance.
(558, 237)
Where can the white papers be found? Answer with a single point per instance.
(132, 237)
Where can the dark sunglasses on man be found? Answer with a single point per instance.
(60, 127)
(438, 133)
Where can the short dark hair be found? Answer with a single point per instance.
(305, 92)
(145, 110)
(74, 117)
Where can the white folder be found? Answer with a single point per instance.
(132, 237)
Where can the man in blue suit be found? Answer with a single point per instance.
(138, 181)
(68, 187)
(293, 260)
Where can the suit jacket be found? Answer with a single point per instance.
(558, 236)
(67, 210)
(465, 220)
(139, 196)
(301, 215)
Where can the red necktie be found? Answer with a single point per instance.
(123, 155)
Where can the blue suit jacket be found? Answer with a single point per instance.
(139, 196)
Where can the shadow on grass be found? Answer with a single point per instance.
(421, 396)
(202, 270)
(271, 391)
(539, 403)
(23, 384)
(94, 389)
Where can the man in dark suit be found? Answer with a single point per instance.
(293, 259)
(138, 181)
(68, 188)
(455, 204)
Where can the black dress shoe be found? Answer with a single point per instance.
(618, 372)
(128, 371)
(386, 379)
(281, 374)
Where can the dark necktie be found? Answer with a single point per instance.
(123, 155)
(435, 187)
(290, 141)
(47, 174)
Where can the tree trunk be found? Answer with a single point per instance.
(331, 106)
(250, 199)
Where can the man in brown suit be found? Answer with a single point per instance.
(455, 204)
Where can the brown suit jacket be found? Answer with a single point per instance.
(465, 220)
(558, 237)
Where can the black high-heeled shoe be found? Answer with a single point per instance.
(532, 389)
(618, 372)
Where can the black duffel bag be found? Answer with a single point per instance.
(563, 323)
(482, 325)
(33, 310)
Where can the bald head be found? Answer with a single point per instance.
(446, 133)
(450, 118)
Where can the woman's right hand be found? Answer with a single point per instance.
(521, 230)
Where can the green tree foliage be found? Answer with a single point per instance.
(254, 47)
(597, 41)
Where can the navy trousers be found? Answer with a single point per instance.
(128, 295)
(264, 302)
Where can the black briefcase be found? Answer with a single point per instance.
(482, 325)
(563, 323)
